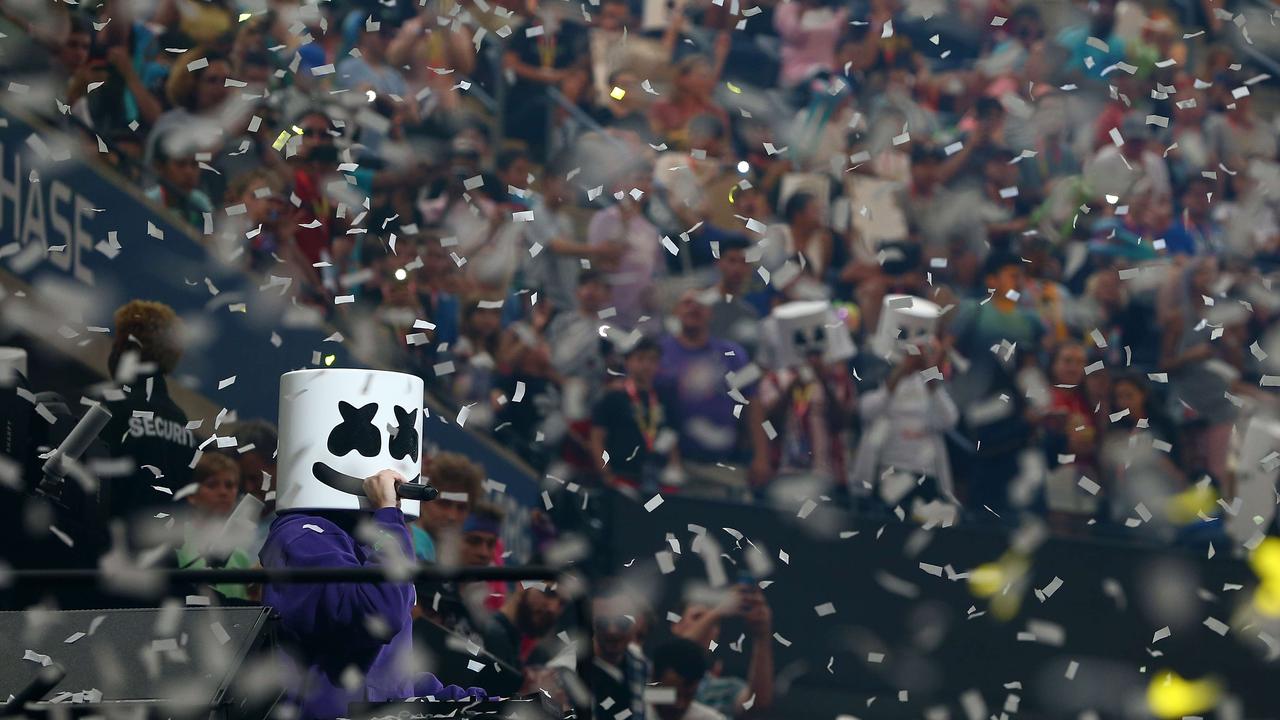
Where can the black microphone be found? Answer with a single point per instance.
(417, 491)
(72, 447)
(45, 680)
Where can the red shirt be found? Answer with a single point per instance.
(312, 240)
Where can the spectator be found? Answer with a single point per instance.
(527, 618)
(695, 80)
(1202, 373)
(217, 486)
(806, 243)
(178, 189)
(698, 371)
(807, 406)
(619, 670)
(201, 106)
(1195, 232)
(256, 458)
(1123, 320)
(1070, 440)
(217, 489)
(256, 207)
(535, 426)
(369, 70)
(628, 113)
(122, 99)
(1132, 165)
(700, 623)
(996, 338)
(625, 226)
(732, 317)
(438, 286)
(553, 58)
(496, 252)
(903, 455)
(555, 254)
(984, 137)
(460, 481)
(204, 22)
(475, 354)
(1236, 133)
(578, 343)
(462, 608)
(1139, 449)
(315, 159)
(679, 666)
(630, 439)
(809, 30)
(482, 547)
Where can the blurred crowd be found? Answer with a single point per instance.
(162, 491)
(572, 219)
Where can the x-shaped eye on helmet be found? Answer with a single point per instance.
(404, 442)
(356, 431)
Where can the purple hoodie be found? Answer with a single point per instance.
(332, 626)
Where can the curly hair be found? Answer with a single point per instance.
(451, 472)
(153, 328)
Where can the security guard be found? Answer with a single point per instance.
(147, 427)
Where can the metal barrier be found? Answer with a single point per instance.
(579, 600)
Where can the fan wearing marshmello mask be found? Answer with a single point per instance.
(902, 457)
(808, 394)
(348, 440)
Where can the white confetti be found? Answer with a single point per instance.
(1216, 625)
(35, 657)
(666, 562)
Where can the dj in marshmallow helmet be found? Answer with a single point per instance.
(348, 440)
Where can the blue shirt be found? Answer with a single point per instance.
(424, 548)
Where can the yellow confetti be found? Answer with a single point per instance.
(281, 140)
(1265, 559)
(1187, 506)
(1171, 696)
(617, 93)
(298, 131)
(330, 359)
(986, 580)
(734, 88)
(1003, 581)
(245, 16)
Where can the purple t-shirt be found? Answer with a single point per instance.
(696, 378)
